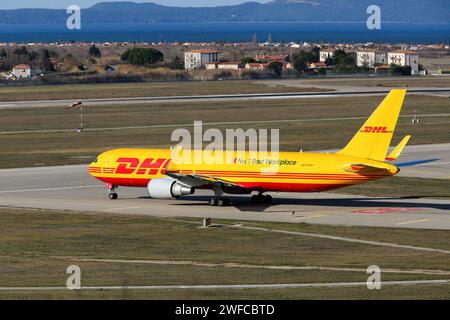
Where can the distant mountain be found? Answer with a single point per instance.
(278, 10)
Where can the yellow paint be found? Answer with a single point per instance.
(399, 149)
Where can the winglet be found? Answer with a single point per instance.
(398, 149)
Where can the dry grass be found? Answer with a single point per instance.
(35, 247)
(57, 148)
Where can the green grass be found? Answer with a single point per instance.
(32, 149)
(37, 246)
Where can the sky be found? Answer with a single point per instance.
(59, 4)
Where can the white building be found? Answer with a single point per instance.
(405, 58)
(370, 58)
(197, 59)
(22, 71)
(211, 65)
(230, 65)
(256, 66)
(325, 54)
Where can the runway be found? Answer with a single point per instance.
(71, 188)
(356, 91)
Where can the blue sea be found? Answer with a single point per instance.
(413, 33)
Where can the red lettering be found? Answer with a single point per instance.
(127, 165)
(368, 129)
(153, 164)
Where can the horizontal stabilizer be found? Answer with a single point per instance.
(365, 169)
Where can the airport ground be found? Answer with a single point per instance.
(125, 250)
(192, 88)
(40, 241)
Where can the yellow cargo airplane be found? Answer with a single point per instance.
(363, 159)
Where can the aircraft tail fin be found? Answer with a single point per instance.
(373, 139)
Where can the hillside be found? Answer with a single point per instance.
(278, 10)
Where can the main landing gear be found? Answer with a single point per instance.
(261, 198)
(112, 192)
(218, 200)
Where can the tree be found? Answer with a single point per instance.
(399, 70)
(142, 56)
(276, 67)
(95, 52)
(330, 61)
(3, 54)
(246, 60)
(315, 54)
(301, 60)
(21, 52)
(343, 59)
(176, 63)
(44, 63)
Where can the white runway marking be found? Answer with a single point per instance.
(208, 124)
(252, 266)
(235, 286)
(124, 208)
(310, 217)
(414, 221)
(50, 189)
(324, 236)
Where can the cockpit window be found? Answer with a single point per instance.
(95, 161)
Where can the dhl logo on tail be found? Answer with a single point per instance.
(369, 129)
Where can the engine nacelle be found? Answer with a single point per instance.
(166, 188)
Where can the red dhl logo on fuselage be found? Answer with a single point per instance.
(370, 129)
(148, 166)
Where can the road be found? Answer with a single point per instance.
(71, 188)
(357, 91)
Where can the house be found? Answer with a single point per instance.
(317, 65)
(22, 71)
(272, 58)
(230, 65)
(370, 58)
(211, 65)
(288, 66)
(256, 66)
(382, 69)
(325, 54)
(405, 58)
(197, 59)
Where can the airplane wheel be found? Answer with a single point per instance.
(113, 196)
(267, 199)
(224, 202)
(255, 199)
(213, 202)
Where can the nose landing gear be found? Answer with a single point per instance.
(112, 192)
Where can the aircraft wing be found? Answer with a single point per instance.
(195, 180)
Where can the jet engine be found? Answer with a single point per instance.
(166, 188)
